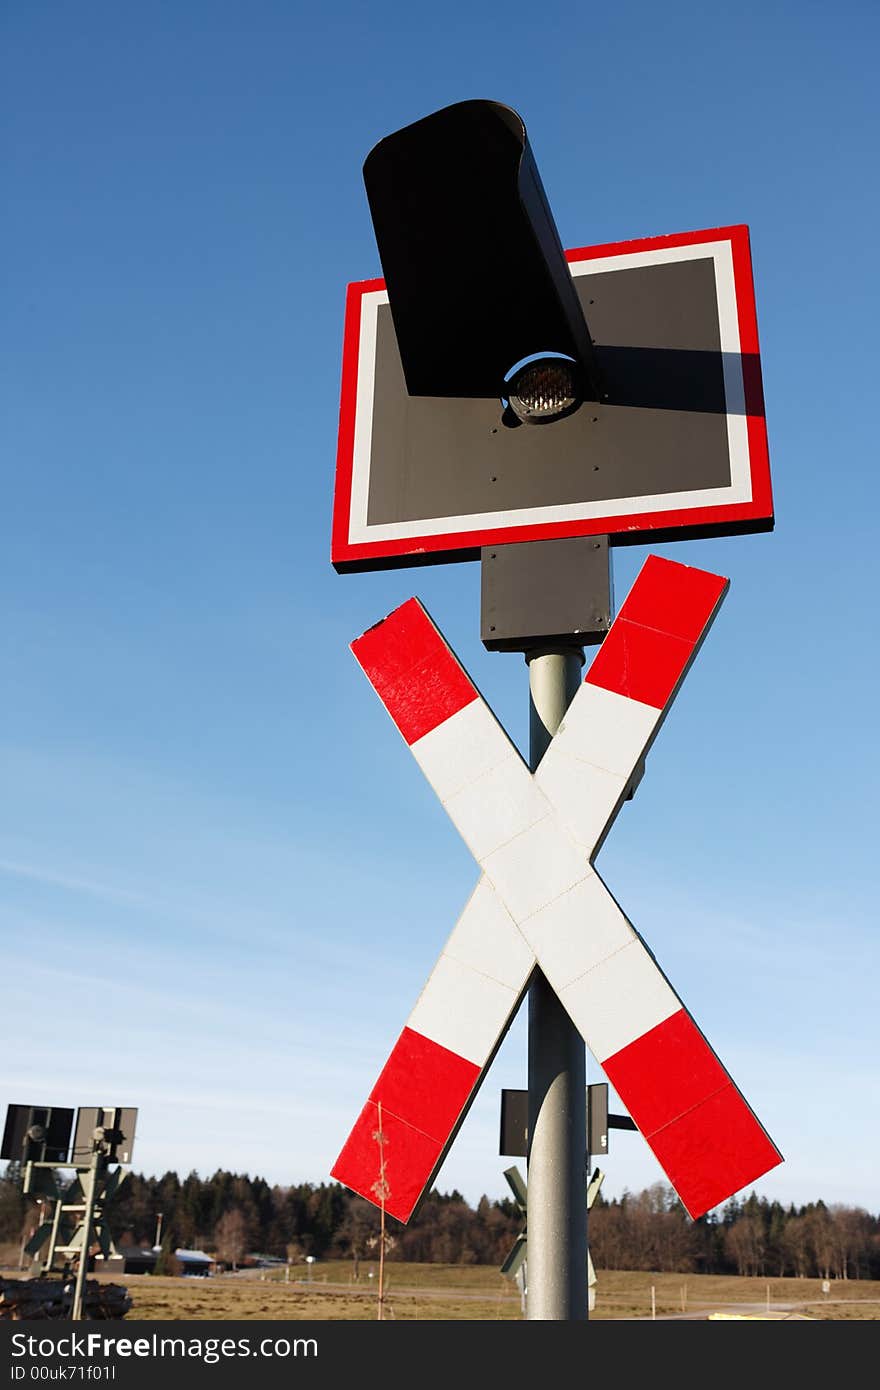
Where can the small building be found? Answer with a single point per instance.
(194, 1263)
(128, 1259)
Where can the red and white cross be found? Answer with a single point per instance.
(540, 902)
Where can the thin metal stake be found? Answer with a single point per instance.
(381, 1188)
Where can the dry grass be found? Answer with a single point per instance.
(412, 1293)
(628, 1295)
(453, 1292)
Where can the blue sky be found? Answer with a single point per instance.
(223, 879)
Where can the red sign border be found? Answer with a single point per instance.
(718, 520)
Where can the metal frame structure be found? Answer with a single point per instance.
(104, 1136)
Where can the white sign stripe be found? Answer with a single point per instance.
(590, 952)
(475, 986)
(459, 751)
(588, 769)
(534, 835)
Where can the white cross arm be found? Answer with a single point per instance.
(540, 901)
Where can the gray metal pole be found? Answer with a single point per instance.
(95, 1173)
(557, 1167)
(53, 1239)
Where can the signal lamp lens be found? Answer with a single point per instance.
(545, 390)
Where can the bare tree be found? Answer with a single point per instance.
(795, 1242)
(820, 1239)
(230, 1236)
(357, 1228)
(851, 1235)
(744, 1243)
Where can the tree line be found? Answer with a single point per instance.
(238, 1218)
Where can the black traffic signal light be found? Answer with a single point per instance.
(476, 274)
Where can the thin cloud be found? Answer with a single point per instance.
(38, 874)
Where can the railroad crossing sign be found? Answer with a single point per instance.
(540, 903)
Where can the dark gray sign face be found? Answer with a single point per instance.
(662, 429)
(119, 1119)
(676, 442)
(514, 1137)
(36, 1134)
(514, 1140)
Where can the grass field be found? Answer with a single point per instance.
(416, 1292)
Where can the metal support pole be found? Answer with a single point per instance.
(95, 1173)
(557, 1168)
(53, 1239)
(27, 1236)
